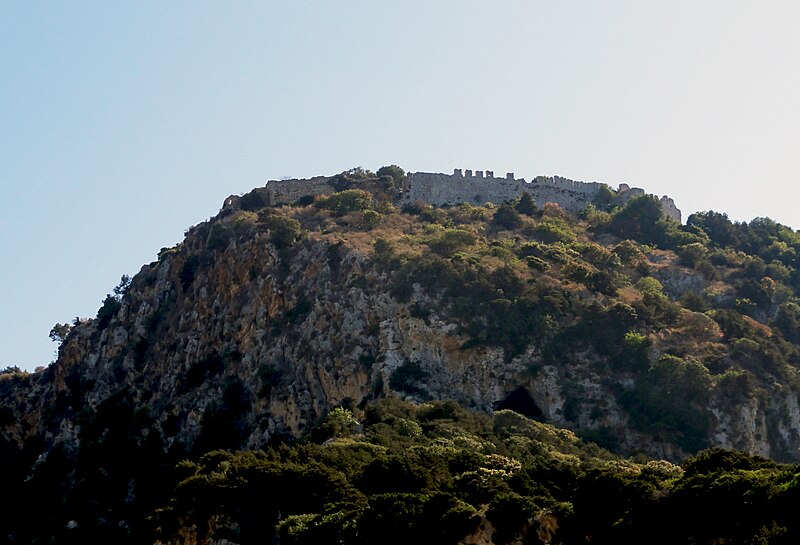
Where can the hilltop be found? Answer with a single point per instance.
(302, 306)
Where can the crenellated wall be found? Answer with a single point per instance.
(476, 187)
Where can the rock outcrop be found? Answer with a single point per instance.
(243, 336)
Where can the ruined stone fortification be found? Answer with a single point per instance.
(468, 186)
(278, 192)
(477, 188)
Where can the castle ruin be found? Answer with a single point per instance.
(476, 187)
(479, 188)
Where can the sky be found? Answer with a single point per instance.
(122, 124)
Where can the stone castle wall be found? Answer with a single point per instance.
(477, 187)
(288, 191)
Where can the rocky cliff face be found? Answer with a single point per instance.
(235, 337)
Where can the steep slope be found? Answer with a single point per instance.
(264, 318)
(634, 331)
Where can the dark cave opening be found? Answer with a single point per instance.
(520, 401)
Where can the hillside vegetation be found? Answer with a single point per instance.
(312, 371)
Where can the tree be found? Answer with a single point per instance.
(105, 313)
(59, 333)
(396, 173)
(639, 220)
(284, 232)
(122, 287)
(527, 205)
(604, 200)
(718, 227)
(507, 217)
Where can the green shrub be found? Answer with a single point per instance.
(537, 263)
(554, 229)
(344, 202)
(218, 237)
(255, 200)
(639, 220)
(526, 205)
(284, 232)
(452, 241)
(394, 172)
(671, 399)
(370, 219)
(507, 217)
(629, 253)
(105, 313)
(634, 355)
(604, 199)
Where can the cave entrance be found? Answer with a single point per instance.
(520, 401)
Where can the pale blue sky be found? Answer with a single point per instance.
(122, 124)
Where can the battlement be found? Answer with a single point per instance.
(457, 173)
(475, 187)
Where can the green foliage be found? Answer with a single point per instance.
(692, 254)
(370, 219)
(672, 397)
(253, 201)
(107, 311)
(394, 172)
(122, 288)
(424, 474)
(383, 252)
(59, 332)
(718, 227)
(222, 423)
(537, 263)
(304, 201)
(340, 422)
(650, 287)
(284, 232)
(639, 219)
(451, 241)
(506, 217)
(554, 229)
(299, 311)
(111, 305)
(788, 321)
(634, 353)
(526, 205)
(553, 296)
(218, 237)
(344, 202)
(629, 253)
(425, 488)
(604, 198)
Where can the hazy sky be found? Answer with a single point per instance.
(122, 124)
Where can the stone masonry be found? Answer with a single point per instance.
(472, 187)
(479, 188)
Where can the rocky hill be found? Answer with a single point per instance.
(643, 335)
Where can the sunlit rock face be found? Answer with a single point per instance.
(234, 334)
